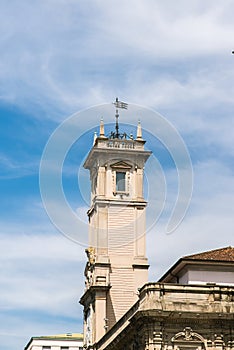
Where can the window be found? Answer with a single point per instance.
(120, 181)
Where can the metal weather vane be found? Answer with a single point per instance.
(118, 104)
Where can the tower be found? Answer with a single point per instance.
(117, 265)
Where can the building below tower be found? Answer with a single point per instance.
(174, 315)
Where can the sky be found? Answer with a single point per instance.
(68, 57)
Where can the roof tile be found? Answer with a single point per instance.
(222, 254)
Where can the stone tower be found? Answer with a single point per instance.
(117, 265)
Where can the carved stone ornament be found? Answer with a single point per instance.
(188, 340)
(91, 255)
(188, 335)
(89, 266)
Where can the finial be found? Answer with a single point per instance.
(94, 137)
(102, 131)
(139, 131)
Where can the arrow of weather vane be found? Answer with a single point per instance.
(120, 104)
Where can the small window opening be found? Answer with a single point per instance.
(120, 181)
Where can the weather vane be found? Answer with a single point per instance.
(118, 104)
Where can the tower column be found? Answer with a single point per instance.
(117, 265)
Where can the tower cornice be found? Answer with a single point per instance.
(125, 203)
(109, 153)
(91, 292)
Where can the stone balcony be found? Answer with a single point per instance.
(187, 298)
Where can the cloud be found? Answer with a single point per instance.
(41, 281)
(161, 30)
(13, 336)
(12, 168)
(60, 56)
(207, 224)
(41, 277)
(81, 59)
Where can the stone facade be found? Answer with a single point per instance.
(169, 316)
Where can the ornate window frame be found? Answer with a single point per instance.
(121, 167)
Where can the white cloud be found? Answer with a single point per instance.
(38, 262)
(14, 168)
(66, 56)
(161, 30)
(41, 279)
(207, 225)
(59, 56)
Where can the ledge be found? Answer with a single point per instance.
(91, 291)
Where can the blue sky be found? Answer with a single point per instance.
(61, 57)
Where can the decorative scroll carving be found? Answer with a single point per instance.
(188, 335)
(188, 340)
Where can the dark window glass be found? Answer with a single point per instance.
(120, 181)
